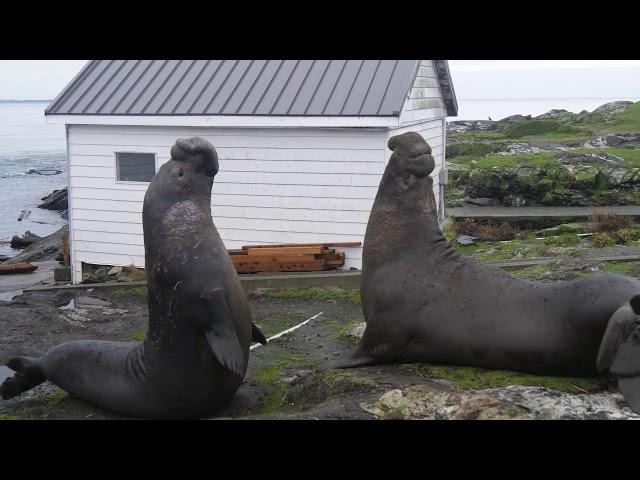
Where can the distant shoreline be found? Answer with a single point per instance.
(24, 101)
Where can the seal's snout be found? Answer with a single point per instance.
(199, 152)
(411, 149)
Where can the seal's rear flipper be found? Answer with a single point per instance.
(28, 375)
(355, 358)
(257, 335)
(618, 330)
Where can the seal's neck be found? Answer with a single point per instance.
(403, 221)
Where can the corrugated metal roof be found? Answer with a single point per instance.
(237, 87)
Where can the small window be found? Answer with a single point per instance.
(135, 167)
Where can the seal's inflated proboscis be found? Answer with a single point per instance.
(197, 348)
(423, 301)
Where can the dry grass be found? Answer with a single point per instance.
(602, 221)
(487, 231)
(134, 273)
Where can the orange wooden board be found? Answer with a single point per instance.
(284, 251)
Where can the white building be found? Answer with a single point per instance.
(302, 145)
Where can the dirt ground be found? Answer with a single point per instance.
(286, 378)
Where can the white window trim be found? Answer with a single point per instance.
(134, 182)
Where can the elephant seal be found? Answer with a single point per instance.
(425, 302)
(197, 347)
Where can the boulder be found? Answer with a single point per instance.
(55, 201)
(27, 239)
(511, 200)
(45, 248)
(608, 110)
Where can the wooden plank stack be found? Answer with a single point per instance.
(22, 267)
(290, 257)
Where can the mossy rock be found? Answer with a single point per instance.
(472, 378)
(531, 127)
(470, 149)
(560, 229)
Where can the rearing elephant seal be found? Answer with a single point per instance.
(423, 301)
(197, 347)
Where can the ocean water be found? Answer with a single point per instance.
(26, 142)
(499, 108)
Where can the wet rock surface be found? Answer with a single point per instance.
(57, 200)
(42, 248)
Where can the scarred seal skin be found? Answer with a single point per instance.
(197, 347)
(425, 302)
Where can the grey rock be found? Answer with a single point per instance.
(46, 248)
(466, 239)
(514, 201)
(57, 200)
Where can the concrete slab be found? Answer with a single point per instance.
(12, 285)
(524, 213)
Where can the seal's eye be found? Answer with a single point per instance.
(180, 172)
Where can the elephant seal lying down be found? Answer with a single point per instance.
(425, 302)
(197, 347)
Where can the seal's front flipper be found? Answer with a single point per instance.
(257, 335)
(221, 335)
(28, 375)
(618, 330)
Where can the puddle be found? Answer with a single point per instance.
(69, 306)
(5, 372)
(8, 296)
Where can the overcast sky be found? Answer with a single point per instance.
(473, 79)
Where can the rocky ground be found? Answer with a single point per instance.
(287, 378)
(559, 158)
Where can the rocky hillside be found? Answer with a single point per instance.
(558, 158)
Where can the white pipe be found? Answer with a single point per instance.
(256, 345)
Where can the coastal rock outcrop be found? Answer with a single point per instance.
(25, 240)
(57, 200)
(44, 248)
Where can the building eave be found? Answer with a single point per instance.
(226, 121)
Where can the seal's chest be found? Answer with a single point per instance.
(186, 220)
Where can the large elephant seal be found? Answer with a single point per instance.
(200, 329)
(423, 301)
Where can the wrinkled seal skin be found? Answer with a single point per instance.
(200, 329)
(423, 301)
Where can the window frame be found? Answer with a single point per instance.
(134, 182)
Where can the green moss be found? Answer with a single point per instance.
(564, 240)
(535, 272)
(138, 335)
(340, 329)
(471, 378)
(531, 127)
(629, 155)
(269, 377)
(138, 291)
(470, 149)
(624, 268)
(317, 294)
(509, 249)
(56, 396)
(628, 120)
(492, 161)
(9, 417)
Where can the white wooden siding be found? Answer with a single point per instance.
(275, 185)
(424, 100)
